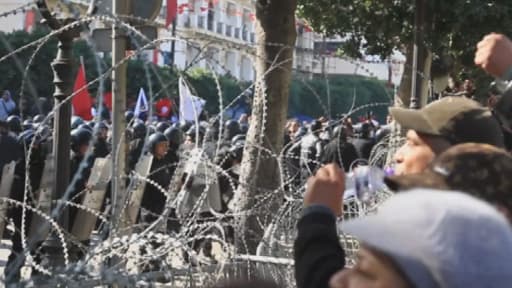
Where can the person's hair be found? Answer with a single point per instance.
(365, 130)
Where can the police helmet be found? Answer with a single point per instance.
(139, 130)
(174, 135)
(162, 126)
(128, 115)
(315, 126)
(27, 125)
(154, 139)
(76, 122)
(80, 137)
(39, 118)
(238, 138)
(14, 123)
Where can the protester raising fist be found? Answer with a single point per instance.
(494, 55)
(326, 188)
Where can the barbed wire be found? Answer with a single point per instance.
(279, 234)
(18, 10)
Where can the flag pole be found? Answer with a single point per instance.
(173, 43)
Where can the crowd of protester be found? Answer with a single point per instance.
(448, 223)
(172, 145)
(425, 235)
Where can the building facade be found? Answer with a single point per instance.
(219, 35)
(327, 63)
(13, 21)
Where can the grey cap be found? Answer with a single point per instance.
(440, 239)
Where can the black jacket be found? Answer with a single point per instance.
(317, 251)
(136, 147)
(341, 153)
(10, 150)
(363, 147)
(101, 148)
(80, 171)
(154, 200)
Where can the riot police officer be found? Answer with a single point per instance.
(27, 140)
(154, 199)
(139, 131)
(80, 167)
(101, 146)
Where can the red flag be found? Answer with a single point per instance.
(172, 10)
(107, 100)
(155, 56)
(82, 101)
(30, 20)
(183, 7)
(163, 108)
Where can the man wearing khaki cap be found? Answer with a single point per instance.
(440, 125)
(481, 170)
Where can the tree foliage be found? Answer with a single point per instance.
(156, 81)
(13, 68)
(307, 97)
(311, 97)
(205, 86)
(377, 27)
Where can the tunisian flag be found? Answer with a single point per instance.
(172, 11)
(163, 108)
(107, 100)
(82, 101)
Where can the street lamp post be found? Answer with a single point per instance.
(63, 80)
(418, 54)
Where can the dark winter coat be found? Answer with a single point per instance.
(317, 251)
(154, 199)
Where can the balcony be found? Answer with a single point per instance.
(201, 21)
(237, 33)
(229, 30)
(220, 28)
(187, 23)
(211, 25)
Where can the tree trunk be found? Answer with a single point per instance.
(424, 65)
(259, 193)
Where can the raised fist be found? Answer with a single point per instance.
(494, 54)
(326, 188)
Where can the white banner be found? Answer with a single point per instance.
(191, 106)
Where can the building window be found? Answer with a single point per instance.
(211, 16)
(231, 14)
(229, 30)
(220, 27)
(246, 70)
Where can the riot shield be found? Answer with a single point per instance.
(93, 199)
(40, 227)
(136, 192)
(5, 190)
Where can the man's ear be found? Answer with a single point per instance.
(505, 212)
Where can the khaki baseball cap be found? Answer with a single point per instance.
(456, 119)
(481, 170)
